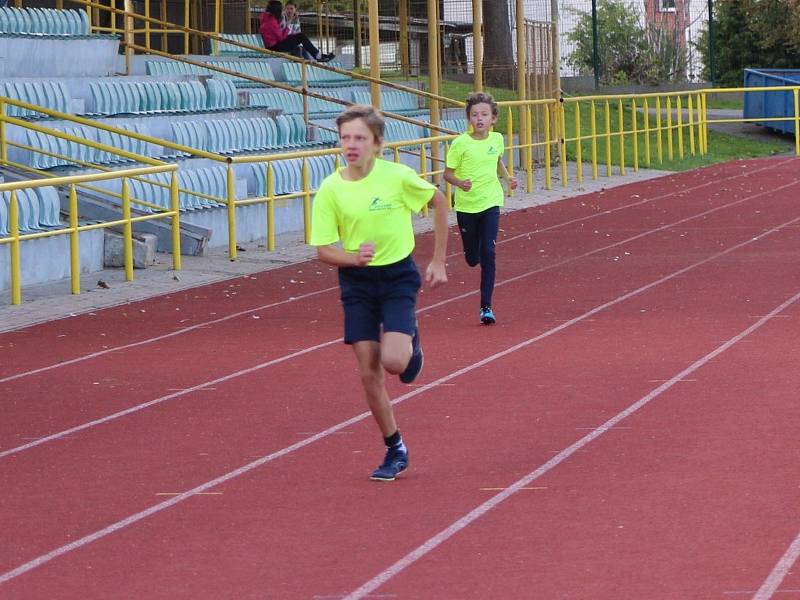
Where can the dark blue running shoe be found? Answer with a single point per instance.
(396, 461)
(487, 316)
(414, 367)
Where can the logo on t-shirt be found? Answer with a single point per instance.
(378, 204)
(492, 151)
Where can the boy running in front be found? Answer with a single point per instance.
(367, 205)
(474, 166)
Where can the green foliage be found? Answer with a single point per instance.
(629, 52)
(750, 34)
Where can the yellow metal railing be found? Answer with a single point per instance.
(618, 131)
(75, 182)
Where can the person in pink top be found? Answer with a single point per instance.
(279, 39)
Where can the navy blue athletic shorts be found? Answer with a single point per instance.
(379, 296)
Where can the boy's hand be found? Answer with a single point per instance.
(435, 274)
(366, 252)
(512, 183)
(466, 184)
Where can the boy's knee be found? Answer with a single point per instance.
(472, 261)
(395, 363)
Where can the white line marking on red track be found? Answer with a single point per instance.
(278, 360)
(206, 324)
(138, 407)
(165, 336)
(775, 578)
(484, 508)
(45, 558)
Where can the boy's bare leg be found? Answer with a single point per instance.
(368, 355)
(395, 351)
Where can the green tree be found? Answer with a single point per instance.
(751, 34)
(629, 51)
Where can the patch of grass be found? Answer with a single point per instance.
(724, 102)
(721, 146)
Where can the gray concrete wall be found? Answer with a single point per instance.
(47, 259)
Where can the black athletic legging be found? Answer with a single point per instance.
(293, 41)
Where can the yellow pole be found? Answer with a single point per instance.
(670, 153)
(621, 124)
(705, 120)
(433, 63)
(164, 47)
(397, 155)
(16, 272)
(127, 231)
(270, 208)
(659, 141)
(510, 145)
(306, 202)
(374, 53)
(231, 199)
(423, 169)
(74, 242)
(186, 23)
(608, 138)
(128, 25)
(147, 24)
(522, 62)
(477, 43)
(547, 157)
(174, 203)
(578, 142)
(405, 63)
(562, 141)
(646, 110)
(679, 110)
(3, 145)
(690, 108)
(796, 122)
(635, 134)
(594, 140)
(529, 169)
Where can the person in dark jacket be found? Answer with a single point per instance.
(278, 39)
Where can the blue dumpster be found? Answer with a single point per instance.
(771, 104)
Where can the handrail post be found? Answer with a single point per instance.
(231, 206)
(797, 120)
(16, 276)
(270, 208)
(3, 143)
(127, 25)
(174, 201)
(74, 241)
(306, 202)
(127, 231)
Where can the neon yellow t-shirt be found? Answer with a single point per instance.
(376, 208)
(476, 160)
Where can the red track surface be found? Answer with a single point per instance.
(604, 300)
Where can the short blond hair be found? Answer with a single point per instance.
(372, 118)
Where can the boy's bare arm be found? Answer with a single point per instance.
(337, 257)
(436, 273)
(502, 173)
(450, 177)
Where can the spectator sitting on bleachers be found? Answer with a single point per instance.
(291, 23)
(278, 39)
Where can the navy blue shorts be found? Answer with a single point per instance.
(379, 296)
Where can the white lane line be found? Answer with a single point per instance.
(776, 577)
(206, 324)
(165, 336)
(138, 407)
(45, 558)
(459, 525)
(284, 358)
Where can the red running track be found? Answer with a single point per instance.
(628, 429)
